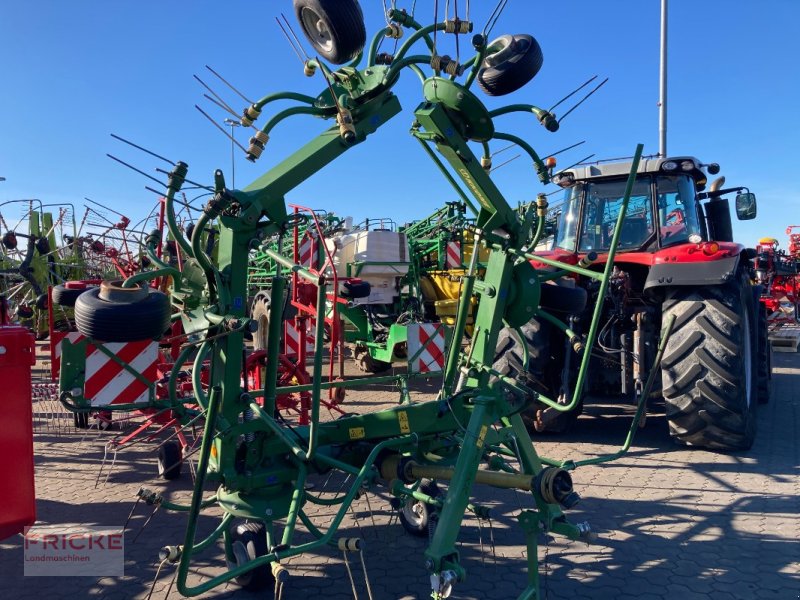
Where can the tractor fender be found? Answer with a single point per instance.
(712, 272)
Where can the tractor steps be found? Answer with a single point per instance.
(785, 338)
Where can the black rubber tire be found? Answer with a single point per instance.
(542, 373)
(339, 35)
(415, 515)
(260, 314)
(519, 62)
(170, 460)
(253, 538)
(80, 420)
(64, 296)
(764, 356)
(146, 319)
(366, 363)
(709, 388)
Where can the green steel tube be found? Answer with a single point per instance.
(172, 384)
(301, 271)
(197, 494)
(437, 161)
(199, 254)
(214, 535)
(151, 254)
(273, 342)
(294, 110)
(313, 430)
(172, 224)
(284, 96)
(150, 275)
(197, 384)
(639, 408)
(296, 504)
(399, 64)
(373, 45)
(541, 170)
(601, 294)
(419, 33)
(539, 226)
(407, 20)
(323, 538)
(555, 263)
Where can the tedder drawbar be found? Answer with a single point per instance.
(258, 462)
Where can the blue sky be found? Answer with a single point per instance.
(75, 72)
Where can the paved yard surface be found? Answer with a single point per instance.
(673, 522)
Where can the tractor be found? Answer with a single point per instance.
(676, 257)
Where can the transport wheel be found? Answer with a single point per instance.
(170, 460)
(709, 368)
(145, 317)
(515, 60)
(65, 294)
(335, 28)
(764, 356)
(248, 542)
(542, 373)
(416, 516)
(366, 363)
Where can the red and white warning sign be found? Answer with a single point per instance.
(453, 255)
(308, 251)
(109, 382)
(427, 343)
(293, 334)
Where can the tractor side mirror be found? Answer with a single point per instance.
(746, 206)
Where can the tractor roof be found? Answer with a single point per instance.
(669, 166)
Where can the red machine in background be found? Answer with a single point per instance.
(17, 356)
(777, 273)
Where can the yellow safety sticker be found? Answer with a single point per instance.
(402, 417)
(357, 433)
(482, 435)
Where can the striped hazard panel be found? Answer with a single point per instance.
(107, 381)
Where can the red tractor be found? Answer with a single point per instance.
(676, 256)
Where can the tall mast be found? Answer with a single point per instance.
(662, 95)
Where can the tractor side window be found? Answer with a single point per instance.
(567, 232)
(603, 205)
(677, 213)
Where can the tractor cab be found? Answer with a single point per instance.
(664, 208)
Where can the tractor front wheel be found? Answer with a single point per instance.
(709, 367)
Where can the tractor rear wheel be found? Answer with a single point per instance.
(709, 367)
(539, 374)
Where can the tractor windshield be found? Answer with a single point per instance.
(591, 210)
(603, 201)
(677, 210)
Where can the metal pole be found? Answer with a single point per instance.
(662, 96)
